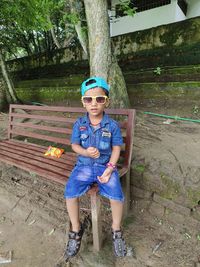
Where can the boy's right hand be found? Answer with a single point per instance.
(93, 152)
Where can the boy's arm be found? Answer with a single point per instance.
(91, 152)
(115, 155)
(104, 178)
(79, 149)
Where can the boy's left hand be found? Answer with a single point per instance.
(104, 178)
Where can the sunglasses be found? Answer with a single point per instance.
(99, 99)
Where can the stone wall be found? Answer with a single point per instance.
(185, 33)
(57, 75)
(172, 44)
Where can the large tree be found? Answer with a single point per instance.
(38, 20)
(102, 60)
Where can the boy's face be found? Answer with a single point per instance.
(97, 103)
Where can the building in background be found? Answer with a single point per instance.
(150, 13)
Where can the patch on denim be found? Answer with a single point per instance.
(107, 134)
(82, 128)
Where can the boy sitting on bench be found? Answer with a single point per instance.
(97, 140)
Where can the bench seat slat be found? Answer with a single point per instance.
(29, 167)
(42, 127)
(39, 165)
(37, 156)
(67, 157)
(64, 141)
(34, 152)
(42, 149)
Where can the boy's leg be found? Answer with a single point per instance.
(78, 183)
(76, 233)
(119, 244)
(73, 211)
(117, 212)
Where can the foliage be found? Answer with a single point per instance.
(126, 7)
(157, 71)
(195, 110)
(198, 237)
(26, 25)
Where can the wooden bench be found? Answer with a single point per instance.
(32, 129)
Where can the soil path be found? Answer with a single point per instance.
(33, 218)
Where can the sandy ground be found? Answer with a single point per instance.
(33, 219)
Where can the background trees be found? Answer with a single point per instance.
(34, 26)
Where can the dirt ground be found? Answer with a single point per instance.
(33, 219)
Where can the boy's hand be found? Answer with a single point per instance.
(104, 178)
(93, 152)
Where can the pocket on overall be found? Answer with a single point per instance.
(84, 140)
(105, 143)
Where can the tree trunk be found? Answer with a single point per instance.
(102, 61)
(9, 88)
(3, 99)
(53, 33)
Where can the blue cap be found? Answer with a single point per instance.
(95, 82)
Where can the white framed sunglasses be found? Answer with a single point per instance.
(101, 99)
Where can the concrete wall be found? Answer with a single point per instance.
(146, 19)
(166, 45)
(193, 8)
(162, 45)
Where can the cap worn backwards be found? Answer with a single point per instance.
(93, 82)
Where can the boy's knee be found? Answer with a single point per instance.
(72, 200)
(116, 202)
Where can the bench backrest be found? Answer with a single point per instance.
(53, 125)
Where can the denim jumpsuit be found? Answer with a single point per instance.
(87, 169)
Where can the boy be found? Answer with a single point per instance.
(96, 138)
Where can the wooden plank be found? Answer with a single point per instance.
(96, 221)
(69, 158)
(126, 189)
(63, 141)
(42, 117)
(49, 108)
(123, 125)
(40, 153)
(129, 138)
(42, 127)
(63, 109)
(68, 109)
(37, 164)
(122, 171)
(66, 156)
(31, 168)
(27, 153)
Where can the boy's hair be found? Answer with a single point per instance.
(91, 81)
(95, 82)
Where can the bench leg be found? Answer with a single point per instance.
(96, 221)
(126, 189)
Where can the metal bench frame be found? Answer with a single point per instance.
(30, 156)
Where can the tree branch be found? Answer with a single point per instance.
(7, 80)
